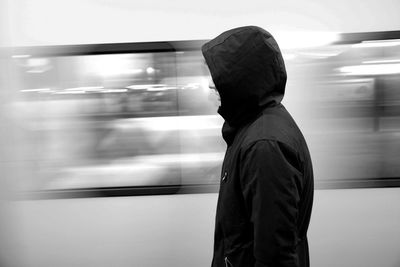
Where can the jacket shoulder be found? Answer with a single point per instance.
(274, 124)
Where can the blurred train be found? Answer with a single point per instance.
(115, 151)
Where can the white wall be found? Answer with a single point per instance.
(349, 228)
(47, 22)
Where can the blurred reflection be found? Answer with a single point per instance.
(143, 119)
(116, 120)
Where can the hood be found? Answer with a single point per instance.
(248, 71)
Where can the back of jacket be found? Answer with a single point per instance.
(266, 195)
(266, 189)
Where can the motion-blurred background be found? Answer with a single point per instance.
(110, 141)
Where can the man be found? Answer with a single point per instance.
(266, 189)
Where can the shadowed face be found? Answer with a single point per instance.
(214, 95)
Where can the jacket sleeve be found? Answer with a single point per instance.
(270, 179)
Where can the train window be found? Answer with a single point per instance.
(147, 119)
(117, 120)
(351, 117)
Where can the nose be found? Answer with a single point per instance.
(211, 84)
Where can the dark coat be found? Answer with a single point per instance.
(266, 190)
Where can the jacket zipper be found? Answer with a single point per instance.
(228, 263)
(224, 176)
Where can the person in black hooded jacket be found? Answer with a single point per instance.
(266, 189)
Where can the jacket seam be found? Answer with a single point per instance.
(252, 143)
(226, 38)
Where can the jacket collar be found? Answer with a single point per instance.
(229, 132)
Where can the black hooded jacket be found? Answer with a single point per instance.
(266, 189)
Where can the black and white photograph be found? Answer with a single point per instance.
(199, 133)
